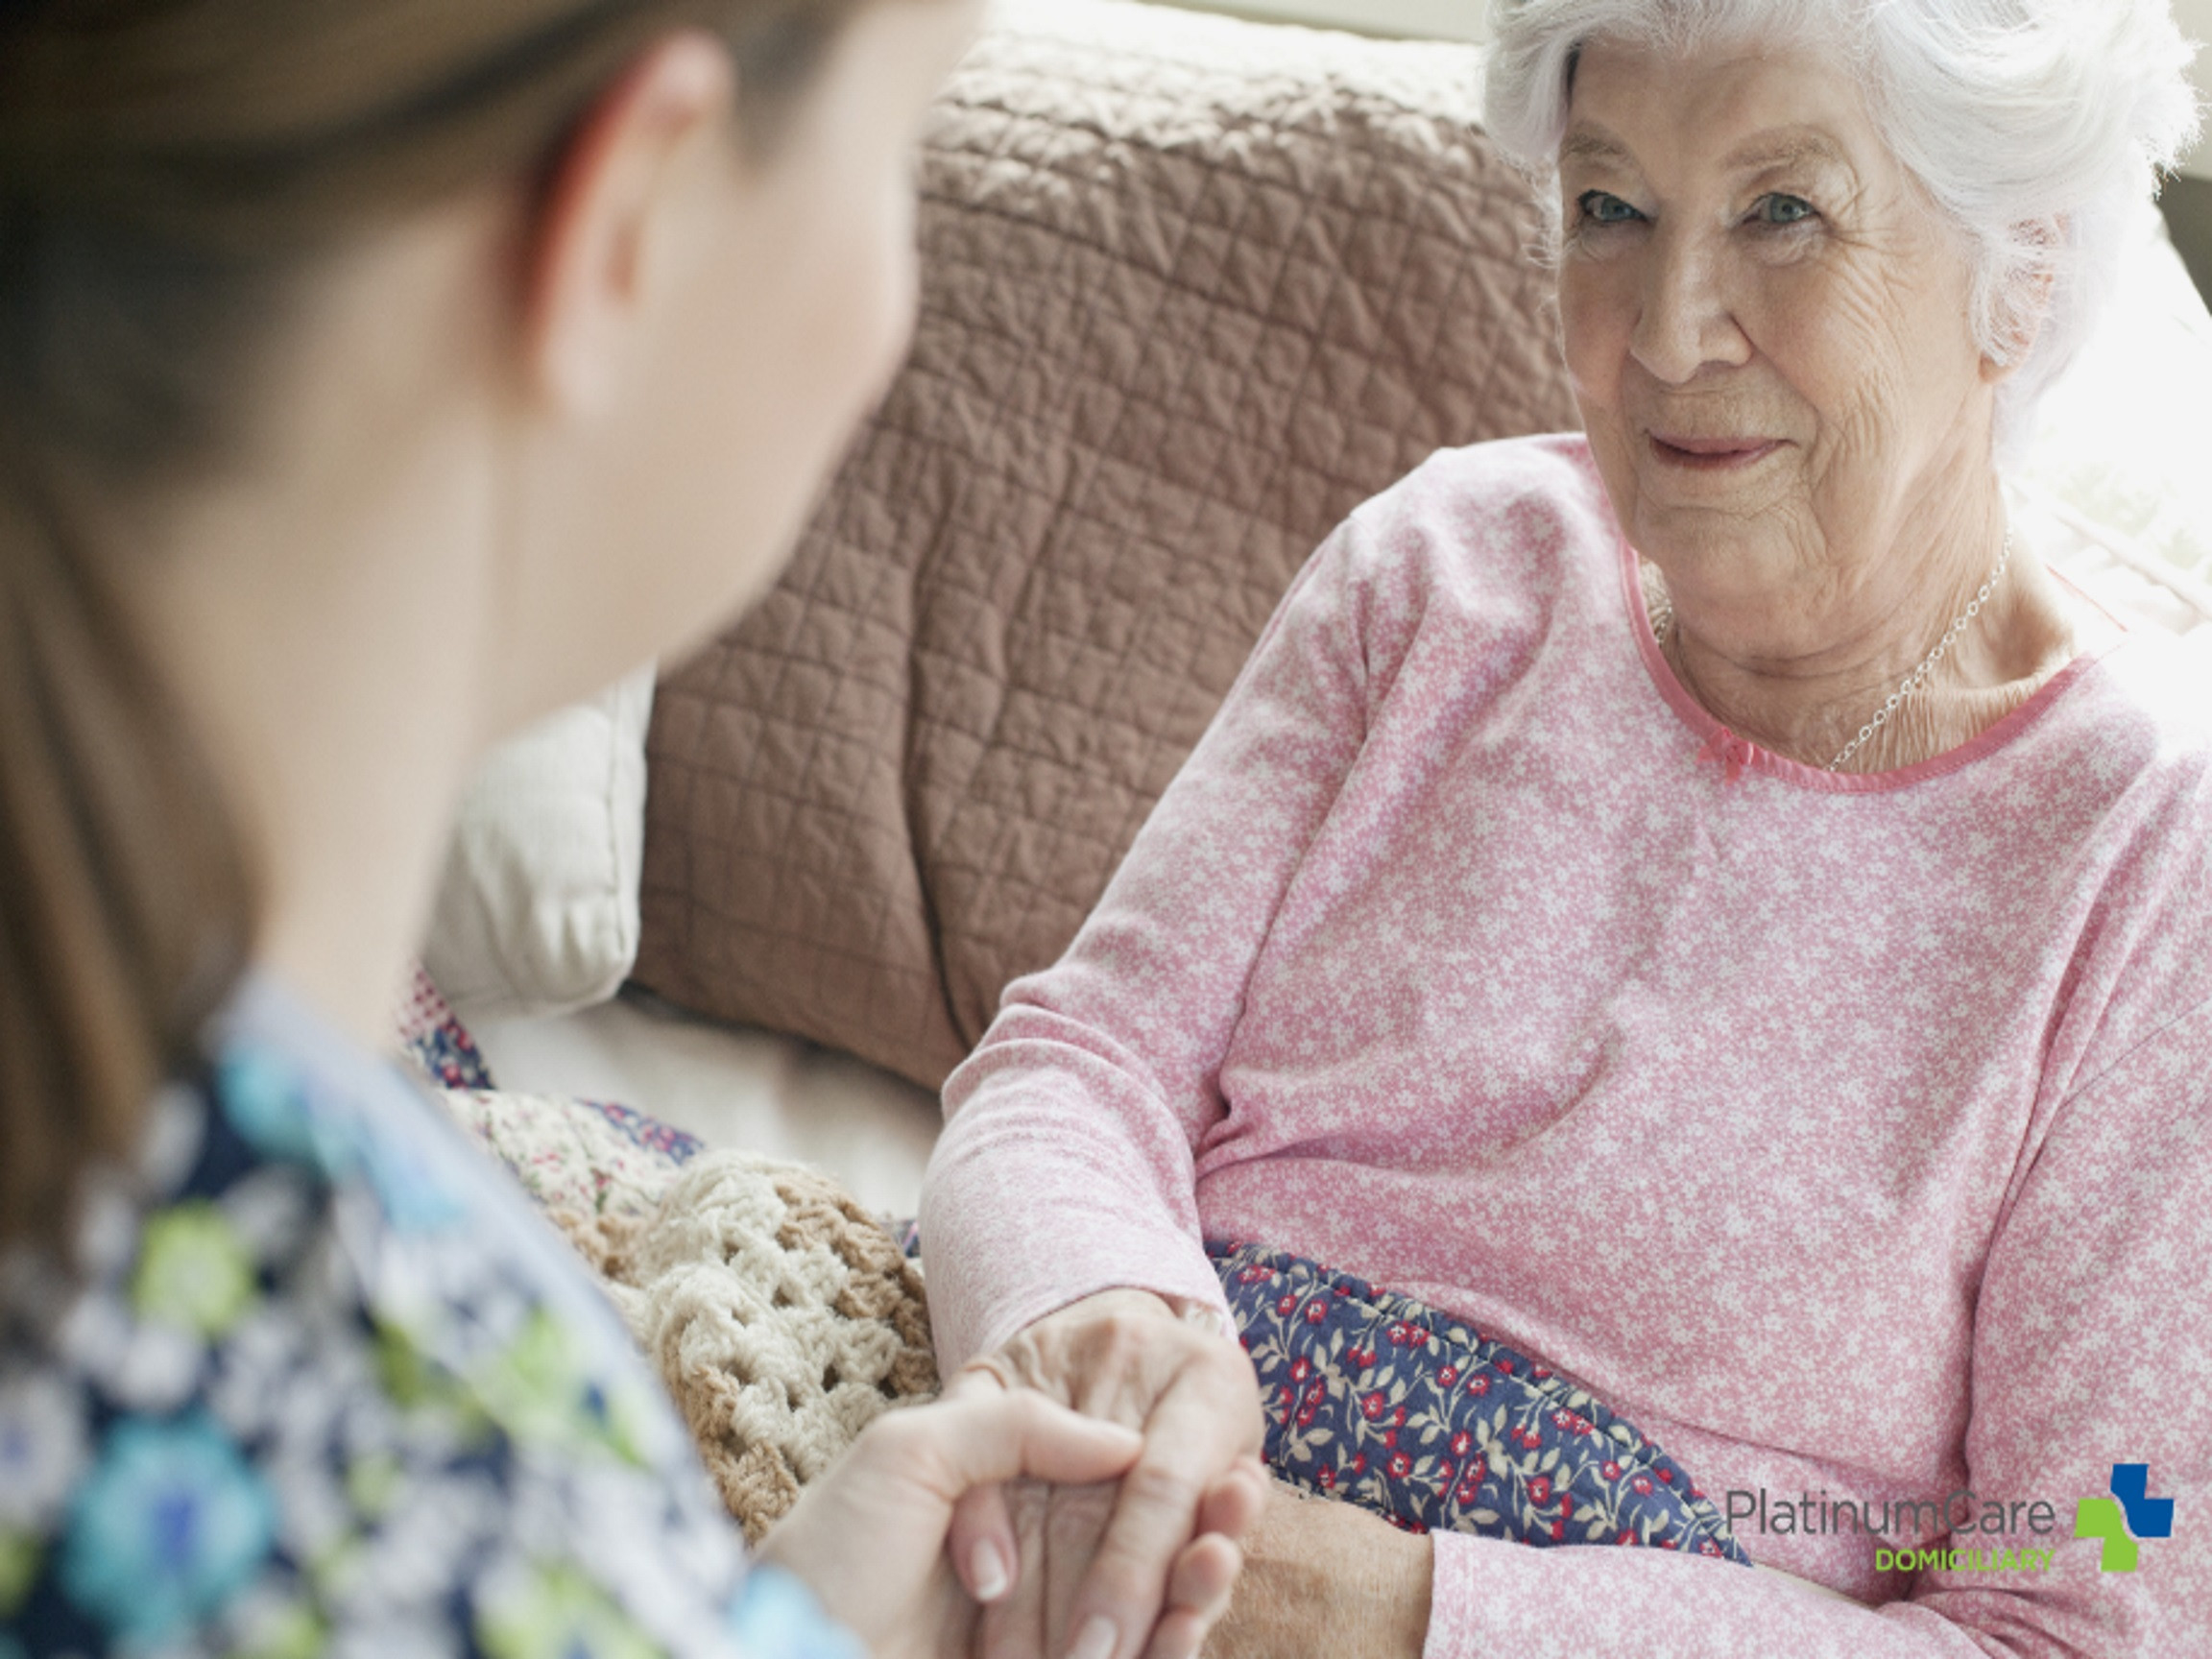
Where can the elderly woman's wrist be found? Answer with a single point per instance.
(1391, 1586)
(1408, 1581)
(1387, 1584)
(1325, 1579)
(1143, 1302)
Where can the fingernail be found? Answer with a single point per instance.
(987, 1566)
(1095, 1641)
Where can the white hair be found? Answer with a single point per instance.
(2038, 127)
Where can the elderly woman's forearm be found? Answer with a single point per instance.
(1045, 1189)
(1067, 1160)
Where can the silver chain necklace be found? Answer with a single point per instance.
(1662, 622)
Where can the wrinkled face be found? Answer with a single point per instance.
(1768, 326)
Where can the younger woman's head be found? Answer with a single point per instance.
(398, 356)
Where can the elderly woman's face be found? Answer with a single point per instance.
(1766, 322)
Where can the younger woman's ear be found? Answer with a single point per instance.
(609, 212)
(2029, 303)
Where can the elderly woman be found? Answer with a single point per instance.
(1688, 937)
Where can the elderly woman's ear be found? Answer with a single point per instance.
(2026, 305)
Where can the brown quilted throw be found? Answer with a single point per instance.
(1192, 290)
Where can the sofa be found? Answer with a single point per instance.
(1191, 289)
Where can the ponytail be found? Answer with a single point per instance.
(125, 909)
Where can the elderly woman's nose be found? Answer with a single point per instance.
(1685, 322)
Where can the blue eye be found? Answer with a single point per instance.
(1779, 210)
(1603, 207)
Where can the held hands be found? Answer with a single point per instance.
(1063, 1541)
(1082, 1567)
(869, 1537)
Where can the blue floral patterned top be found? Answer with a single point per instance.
(325, 1384)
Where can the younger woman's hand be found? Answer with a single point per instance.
(867, 1537)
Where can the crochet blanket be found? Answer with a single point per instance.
(782, 1316)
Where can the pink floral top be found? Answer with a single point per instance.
(1847, 1133)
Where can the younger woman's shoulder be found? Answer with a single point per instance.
(306, 1334)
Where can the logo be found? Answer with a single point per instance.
(2128, 1514)
(1977, 1533)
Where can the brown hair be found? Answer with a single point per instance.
(168, 171)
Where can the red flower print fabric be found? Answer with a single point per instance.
(1381, 1401)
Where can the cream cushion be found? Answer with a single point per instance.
(537, 908)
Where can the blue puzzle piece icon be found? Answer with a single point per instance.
(2147, 1517)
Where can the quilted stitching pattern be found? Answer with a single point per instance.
(1192, 289)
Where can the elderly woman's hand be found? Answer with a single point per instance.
(1164, 1536)
(1323, 1577)
(869, 1537)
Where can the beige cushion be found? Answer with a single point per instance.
(1192, 289)
(536, 908)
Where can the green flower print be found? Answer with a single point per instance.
(537, 1389)
(289, 1630)
(18, 1570)
(372, 1482)
(556, 1613)
(193, 1271)
(171, 1524)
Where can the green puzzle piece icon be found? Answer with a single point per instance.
(2100, 1518)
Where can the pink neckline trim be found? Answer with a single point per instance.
(1738, 755)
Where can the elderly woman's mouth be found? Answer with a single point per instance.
(1712, 454)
